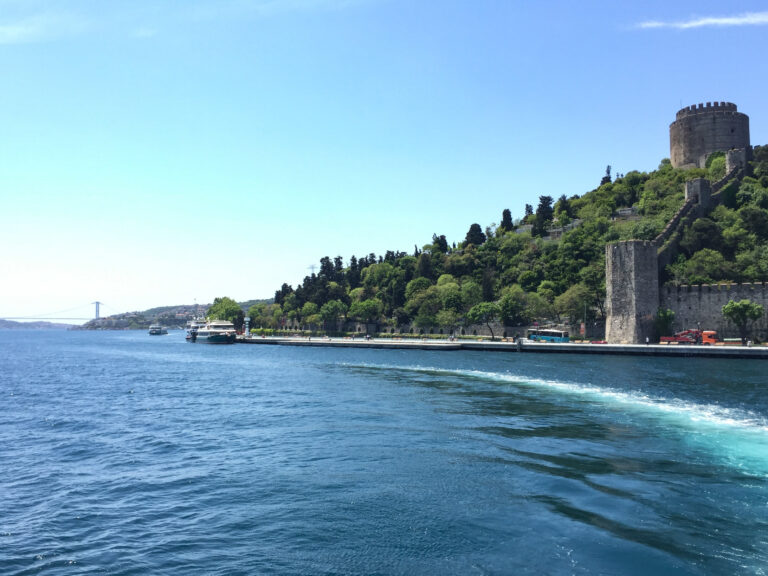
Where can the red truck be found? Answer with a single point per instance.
(706, 337)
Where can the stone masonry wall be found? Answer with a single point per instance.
(632, 291)
(696, 306)
(700, 130)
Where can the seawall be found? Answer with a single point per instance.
(755, 352)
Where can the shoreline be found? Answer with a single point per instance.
(686, 351)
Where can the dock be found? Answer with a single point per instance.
(521, 346)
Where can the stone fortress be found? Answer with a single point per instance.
(634, 269)
(700, 130)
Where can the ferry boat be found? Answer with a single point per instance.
(215, 332)
(157, 330)
(192, 327)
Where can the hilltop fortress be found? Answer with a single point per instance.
(700, 130)
(634, 269)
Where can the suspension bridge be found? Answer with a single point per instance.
(77, 314)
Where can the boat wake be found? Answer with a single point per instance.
(739, 436)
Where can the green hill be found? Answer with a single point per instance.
(548, 265)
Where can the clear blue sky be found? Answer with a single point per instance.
(156, 153)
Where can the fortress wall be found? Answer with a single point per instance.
(633, 269)
(700, 130)
(703, 305)
(698, 202)
(672, 224)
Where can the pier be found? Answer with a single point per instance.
(521, 346)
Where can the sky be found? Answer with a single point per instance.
(159, 153)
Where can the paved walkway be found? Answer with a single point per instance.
(757, 352)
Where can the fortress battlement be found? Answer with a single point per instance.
(626, 243)
(703, 129)
(709, 107)
(702, 305)
(633, 268)
(719, 287)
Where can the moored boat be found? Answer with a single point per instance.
(157, 330)
(192, 327)
(216, 332)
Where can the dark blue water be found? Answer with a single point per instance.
(122, 453)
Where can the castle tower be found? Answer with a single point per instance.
(700, 130)
(632, 291)
(699, 190)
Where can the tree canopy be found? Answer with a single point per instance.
(530, 273)
(741, 313)
(225, 308)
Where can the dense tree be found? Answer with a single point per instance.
(475, 235)
(368, 311)
(440, 243)
(425, 307)
(327, 269)
(260, 315)
(332, 311)
(487, 284)
(529, 280)
(755, 220)
(607, 178)
(280, 295)
(544, 215)
(484, 313)
(663, 321)
(512, 306)
(471, 293)
(225, 308)
(416, 286)
(506, 221)
(706, 266)
(309, 309)
(448, 320)
(424, 266)
(563, 209)
(703, 233)
(574, 302)
(537, 308)
(353, 273)
(741, 313)
(449, 292)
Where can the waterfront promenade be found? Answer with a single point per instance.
(754, 352)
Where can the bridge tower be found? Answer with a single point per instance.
(97, 303)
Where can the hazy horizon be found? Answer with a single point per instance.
(176, 153)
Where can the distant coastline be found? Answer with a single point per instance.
(37, 325)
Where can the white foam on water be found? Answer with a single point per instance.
(739, 436)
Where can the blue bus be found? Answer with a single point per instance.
(548, 335)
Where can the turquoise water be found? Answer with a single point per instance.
(128, 454)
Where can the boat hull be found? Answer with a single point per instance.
(203, 338)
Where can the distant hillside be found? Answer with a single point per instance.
(172, 317)
(11, 325)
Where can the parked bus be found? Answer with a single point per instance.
(548, 335)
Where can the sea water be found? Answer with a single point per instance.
(123, 453)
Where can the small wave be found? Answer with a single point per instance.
(713, 414)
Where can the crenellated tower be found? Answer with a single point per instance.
(634, 268)
(702, 129)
